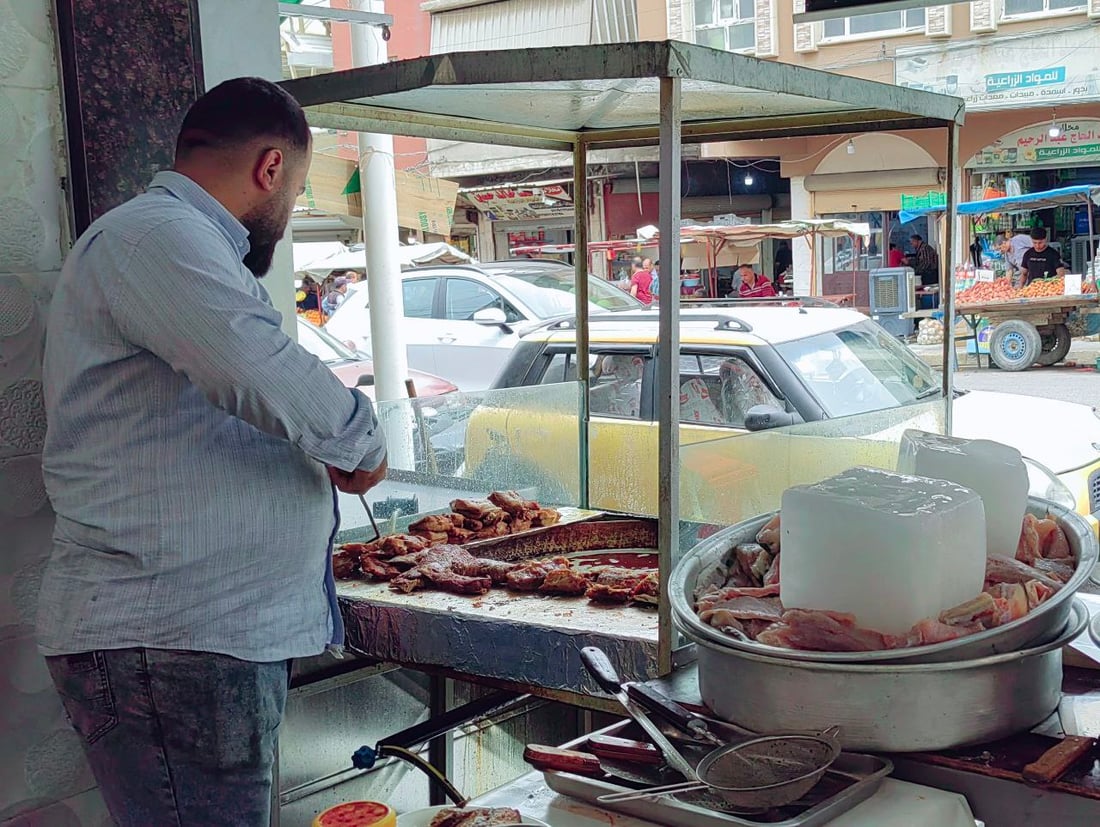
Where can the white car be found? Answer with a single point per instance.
(462, 321)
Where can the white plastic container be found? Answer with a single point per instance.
(887, 548)
(995, 471)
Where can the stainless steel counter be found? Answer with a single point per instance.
(525, 640)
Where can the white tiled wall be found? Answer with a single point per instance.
(43, 779)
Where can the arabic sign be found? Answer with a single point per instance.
(1047, 69)
(518, 204)
(1077, 144)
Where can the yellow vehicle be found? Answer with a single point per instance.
(845, 386)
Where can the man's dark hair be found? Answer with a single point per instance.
(915, 237)
(1038, 234)
(893, 246)
(239, 111)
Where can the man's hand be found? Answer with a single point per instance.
(357, 482)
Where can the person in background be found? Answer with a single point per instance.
(783, 260)
(191, 455)
(353, 276)
(1019, 244)
(335, 297)
(306, 297)
(753, 285)
(655, 285)
(895, 257)
(641, 282)
(925, 261)
(1042, 261)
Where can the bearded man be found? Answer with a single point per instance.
(192, 456)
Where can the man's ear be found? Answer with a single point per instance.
(270, 169)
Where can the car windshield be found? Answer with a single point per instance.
(323, 345)
(859, 369)
(549, 292)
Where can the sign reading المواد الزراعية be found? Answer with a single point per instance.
(1016, 72)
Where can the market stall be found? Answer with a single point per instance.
(677, 92)
(1028, 324)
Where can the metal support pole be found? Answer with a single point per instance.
(1090, 252)
(668, 361)
(580, 265)
(947, 276)
(441, 748)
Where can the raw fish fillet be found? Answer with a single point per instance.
(769, 535)
(746, 608)
(1061, 570)
(1027, 550)
(771, 578)
(1010, 600)
(1036, 593)
(1053, 543)
(753, 560)
(824, 632)
(929, 631)
(975, 610)
(1000, 569)
(713, 598)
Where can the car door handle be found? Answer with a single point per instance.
(445, 339)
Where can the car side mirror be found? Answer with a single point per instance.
(765, 417)
(492, 317)
(365, 380)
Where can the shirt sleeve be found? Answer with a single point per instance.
(180, 294)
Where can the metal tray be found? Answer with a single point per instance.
(863, 775)
(1034, 628)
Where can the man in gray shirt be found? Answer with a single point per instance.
(192, 456)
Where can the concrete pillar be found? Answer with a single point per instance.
(801, 253)
(225, 55)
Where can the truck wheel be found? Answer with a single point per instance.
(1056, 340)
(1015, 345)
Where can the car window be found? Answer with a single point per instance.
(615, 385)
(550, 292)
(859, 369)
(311, 339)
(465, 297)
(419, 295)
(720, 390)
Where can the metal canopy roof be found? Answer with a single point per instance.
(608, 95)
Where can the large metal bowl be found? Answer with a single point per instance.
(1037, 626)
(908, 707)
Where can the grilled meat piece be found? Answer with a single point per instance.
(546, 517)
(432, 523)
(408, 582)
(476, 817)
(648, 589)
(432, 538)
(564, 580)
(377, 568)
(512, 502)
(482, 510)
(491, 531)
(345, 564)
(615, 585)
(518, 524)
(497, 570)
(445, 577)
(458, 536)
(529, 576)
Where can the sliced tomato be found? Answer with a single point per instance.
(357, 814)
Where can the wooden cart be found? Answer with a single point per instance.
(1027, 332)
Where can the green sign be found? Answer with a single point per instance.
(1054, 153)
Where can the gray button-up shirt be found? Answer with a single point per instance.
(186, 445)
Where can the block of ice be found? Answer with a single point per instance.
(888, 548)
(995, 471)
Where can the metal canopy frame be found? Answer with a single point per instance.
(580, 98)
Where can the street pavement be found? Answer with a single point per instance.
(1075, 380)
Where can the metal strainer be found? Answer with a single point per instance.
(757, 774)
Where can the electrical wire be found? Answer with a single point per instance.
(408, 755)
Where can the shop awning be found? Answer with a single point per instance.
(411, 255)
(1061, 197)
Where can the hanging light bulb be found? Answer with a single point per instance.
(1054, 130)
(748, 179)
(851, 147)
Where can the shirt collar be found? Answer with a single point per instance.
(192, 193)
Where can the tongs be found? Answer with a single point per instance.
(370, 516)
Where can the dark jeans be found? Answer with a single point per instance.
(176, 738)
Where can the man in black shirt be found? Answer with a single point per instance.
(1042, 261)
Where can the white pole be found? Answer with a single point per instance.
(378, 189)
